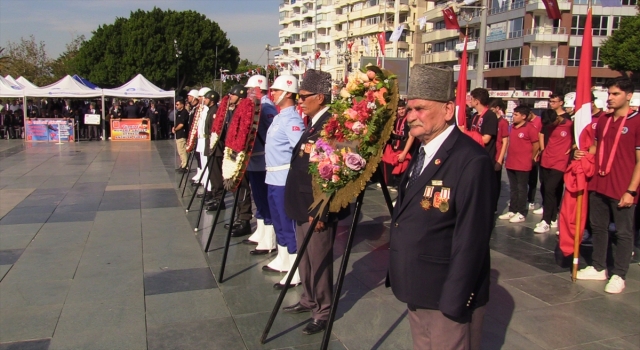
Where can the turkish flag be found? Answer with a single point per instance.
(553, 11)
(382, 41)
(576, 175)
(450, 19)
(461, 89)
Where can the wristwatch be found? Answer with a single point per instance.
(632, 193)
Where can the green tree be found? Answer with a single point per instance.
(29, 59)
(620, 50)
(65, 64)
(4, 60)
(144, 43)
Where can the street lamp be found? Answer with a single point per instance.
(178, 53)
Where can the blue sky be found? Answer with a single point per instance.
(249, 24)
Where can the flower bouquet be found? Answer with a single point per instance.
(239, 140)
(351, 142)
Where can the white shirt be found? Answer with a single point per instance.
(318, 115)
(433, 146)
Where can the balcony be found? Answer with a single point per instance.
(543, 68)
(403, 45)
(546, 35)
(404, 8)
(324, 38)
(439, 57)
(324, 24)
(434, 15)
(538, 5)
(440, 34)
(337, 35)
(508, 6)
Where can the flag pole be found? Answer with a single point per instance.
(577, 238)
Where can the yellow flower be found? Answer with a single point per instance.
(344, 93)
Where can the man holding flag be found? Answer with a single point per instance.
(615, 185)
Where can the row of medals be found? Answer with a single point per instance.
(440, 199)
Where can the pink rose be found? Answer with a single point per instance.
(358, 128)
(336, 170)
(335, 178)
(325, 169)
(334, 158)
(354, 161)
(351, 114)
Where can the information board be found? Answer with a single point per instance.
(130, 130)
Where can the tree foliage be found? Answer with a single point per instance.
(144, 43)
(620, 50)
(4, 60)
(65, 63)
(29, 59)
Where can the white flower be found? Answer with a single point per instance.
(371, 105)
(386, 81)
(231, 167)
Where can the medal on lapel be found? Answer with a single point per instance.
(426, 198)
(444, 198)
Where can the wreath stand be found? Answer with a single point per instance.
(190, 158)
(343, 264)
(202, 200)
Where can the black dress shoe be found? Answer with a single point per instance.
(315, 326)
(214, 206)
(261, 251)
(295, 309)
(241, 228)
(246, 241)
(279, 286)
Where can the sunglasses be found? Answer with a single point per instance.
(304, 97)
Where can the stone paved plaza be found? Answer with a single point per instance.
(96, 252)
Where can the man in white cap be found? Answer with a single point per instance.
(282, 138)
(264, 236)
(442, 221)
(199, 112)
(202, 141)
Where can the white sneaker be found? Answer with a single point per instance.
(540, 223)
(543, 227)
(532, 206)
(538, 211)
(615, 285)
(590, 273)
(517, 218)
(554, 224)
(507, 216)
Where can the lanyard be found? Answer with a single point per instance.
(613, 150)
(477, 118)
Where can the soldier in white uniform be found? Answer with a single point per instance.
(282, 138)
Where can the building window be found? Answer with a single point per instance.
(438, 47)
(514, 57)
(576, 51)
(515, 27)
(445, 45)
(371, 3)
(629, 2)
(373, 20)
(495, 59)
(616, 22)
(439, 25)
(600, 24)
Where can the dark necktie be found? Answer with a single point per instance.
(417, 168)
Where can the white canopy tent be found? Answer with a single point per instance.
(26, 83)
(65, 87)
(8, 89)
(139, 87)
(10, 79)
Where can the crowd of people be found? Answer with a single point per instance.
(160, 114)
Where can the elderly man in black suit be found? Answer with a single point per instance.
(442, 221)
(316, 265)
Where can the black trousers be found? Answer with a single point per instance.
(601, 208)
(498, 189)
(533, 183)
(518, 189)
(552, 181)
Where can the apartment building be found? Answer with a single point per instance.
(346, 31)
(523, 48)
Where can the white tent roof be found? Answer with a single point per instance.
(138, 87)
(12, 81)
(26, 83)
(65, 87)
(9, 89)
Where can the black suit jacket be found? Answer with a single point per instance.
(298, 191)
(441, 260)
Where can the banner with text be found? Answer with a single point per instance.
(130, 130)
(49, 130)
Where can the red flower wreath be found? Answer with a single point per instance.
(220, 115)
(240, 126)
